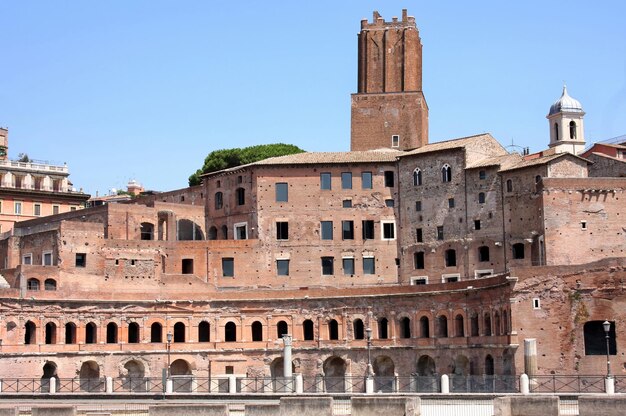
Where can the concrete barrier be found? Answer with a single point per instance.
(601, 405)
(262, 410)
(53, 411)
(9, 411)
(388, 406)
(306, 406)
(188, 410)
(526, 406)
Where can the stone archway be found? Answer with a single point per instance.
(181, 375)
(134, 376)
(277, 372)
(426, 380)
(49, 371)
(384, 374)
(89, 376)
(334, 374)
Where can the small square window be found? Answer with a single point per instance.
(228, 267)
(481, 198)
(389, 203)
(536, 303)
(241, 231)
(282, 230)
(187, 266)
(440, 232)
(346, 180)
(325, 180)
(47, 258)
(395, 140)
(482, 175)
(326, 230)
(418, 260)
(450, 202)
(389, 230)
(27, 259)
(368, 229)
(37, 210)
(347, 203)
(366, 180)
(81, 259)
(239, 179)
(419, 236)
(18, 208)
(348, 266)
(55, 209)
(282, 267)
(418, 206)
(583, 225)
(282, 192)
(389, 179)
(328, 266)
(347, 230)
(369, 265)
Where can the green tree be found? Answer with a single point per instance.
(229, 158)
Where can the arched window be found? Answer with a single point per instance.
(483, 253)
(357, 327)
(417, 177)
(450, 257)
(487, 325)
(481, 198)
(556, 131)
(32, 284)
(572, 130)
(111, 333)
(383, 328)
(505, 322)
(333, 329)
(442, 326)
(307, 328)
(179, 332)
(50, 284)
(496, 323)
(156, 332)
(212, 233)
(446, 173)
(30, 333)
(51, 333)
(70, 333)
(224, 232)
(241, 196)
(257, 331)
(405, 327)
(424, 327)
(474, 325)
(518, 251)
(537, 178)
(230, 332)
(204, 332)
(91, 333)
(219, 200)
(459, 326)
(489, 370)
(509, 185)
(133, 333)
(281, 329)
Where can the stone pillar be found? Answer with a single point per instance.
(53, 385)
(369, 384)
(169, 385)
(232, 384)
(530, 357)
(609, 385)
(524, 385)
(445, 384)
(287, 370)
(109, 385)
(299, 383)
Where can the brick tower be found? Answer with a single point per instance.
(389, 109)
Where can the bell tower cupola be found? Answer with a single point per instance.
(566, 125)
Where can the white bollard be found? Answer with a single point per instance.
(53, 385)
(169, 386)
(445, 384)
(232, 384)
(369, 385)
(524, 384)
(108, 388)
(609, 385)
(299, 383)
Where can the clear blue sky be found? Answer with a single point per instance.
(146, 89)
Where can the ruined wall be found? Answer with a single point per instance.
(604, 166)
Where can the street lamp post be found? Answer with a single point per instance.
(169, 346)
(368, 334)
(607, 328)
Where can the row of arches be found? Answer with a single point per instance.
(34, 284)
(446, 175)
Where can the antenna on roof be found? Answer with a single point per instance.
(513, 148)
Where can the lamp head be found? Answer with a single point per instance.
(368, 332)
(169, 337)
(607, 326)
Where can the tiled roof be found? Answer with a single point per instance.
(311, 158)
(449, 144)
(541, 161)
(504, 161)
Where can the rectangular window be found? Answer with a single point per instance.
(347, 230)
(450, 202)
(346, 180)
(366, 180)
(418, 260)
(27, 259)
(418, 206)
(348, 266)
(73, 208)
(36, 210)
(482, 174)
(419, 280)
(241, 231)
(46, 259)
(219, 200)
(369, 265)
(419, 235)
(187, 266)
(282, 267)
(18, 208)
(228, 267)
(328, 266)
(440, 232)
(325, 180)
(395, 140)
(389, 203)
(583, 225)
(326, 230)
(389, 230)
(450, 278)
(81, 260)
(282, 230)
(368, 229)
(55, 209)
(389, 179)
(282, 192)
(477, 224)
(347, 203)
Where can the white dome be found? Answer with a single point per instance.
(566, 103)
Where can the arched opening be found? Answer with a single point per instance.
(405, 327)
(461, 366)
(133, 333)
(446, 173)
(135, 376)
(483, 253)
(383, 328)
(333, 329)
(505, 323)
(224, 232)
(32, 284)
(556, 132)
(481, 197)
(307, 328)
(459, 326)
(30, 333)
(180, 368)
(424, 327)
(281, 329)
(181, 376)
(91, 333)
(426, 366)
(189, 230)
(204, 332)
(70, 333)
(179, 332)
(487, 325)
(509, 185)
(89, 377)
(230, 332)
(474, 325)
(442, 326)
(156, 332)
(219, 200)
(111, 333)
(358, 329)
(417, 177)
(50, 284)
(51, 333)
(489, 367)
(277, 372)
(257, 331)
(496, 323)
(572, 130)
(212, 235)
(384, 374)
(49, 371)
(147, 231)
(334, 374)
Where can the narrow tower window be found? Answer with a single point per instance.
(572, 130)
